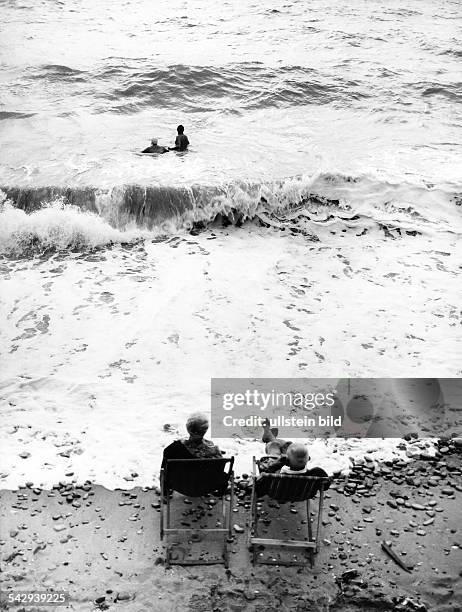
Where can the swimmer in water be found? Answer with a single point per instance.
(155, 148)
(181, 141)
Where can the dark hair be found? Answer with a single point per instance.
(180, 129)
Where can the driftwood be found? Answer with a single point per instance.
(396, 558)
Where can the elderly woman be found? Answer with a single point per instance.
(195, 446)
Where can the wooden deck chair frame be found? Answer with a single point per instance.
(311, 545)
(199, 466)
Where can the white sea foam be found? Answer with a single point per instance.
(129, 212)
(105, 354)
(57, 227)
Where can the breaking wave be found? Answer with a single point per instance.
(38, 219)
(56, 227)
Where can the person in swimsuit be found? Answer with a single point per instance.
(181, 141)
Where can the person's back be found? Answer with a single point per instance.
(181, 141)
(155, 148)
(196, 446)
(297, 457)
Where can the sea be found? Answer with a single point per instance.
(313, 228)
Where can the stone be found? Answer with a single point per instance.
(59, 527)
(65, 539)
(238, 529)
(416, 506)
(24, 455)
(349, 575)
(421, 532)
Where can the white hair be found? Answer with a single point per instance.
(298, 451)
(197, 423)
(154, 141)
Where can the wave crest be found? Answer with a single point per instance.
(252, 85)
(42, 218)
(56, 227)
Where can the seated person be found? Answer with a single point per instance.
(285, 457)
(275, 449)
(181, 141)
(155, 148)
(297, 458)
(195, 446)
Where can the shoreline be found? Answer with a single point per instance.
(98, 543)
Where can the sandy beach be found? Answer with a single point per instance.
(104, 547)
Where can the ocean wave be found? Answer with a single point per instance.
(131, 87)
(453, 91)
(56, 227)
(55, 72)
(34, 219)
(5, 115)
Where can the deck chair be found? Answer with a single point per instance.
(286, 488)
(196, 478)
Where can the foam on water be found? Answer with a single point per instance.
(56, 227)
(82, 218)
(104, 354)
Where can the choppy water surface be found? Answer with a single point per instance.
(264, 91)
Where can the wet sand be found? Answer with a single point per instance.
(104, 546)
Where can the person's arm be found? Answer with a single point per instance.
(216, 452)
(272, 464)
